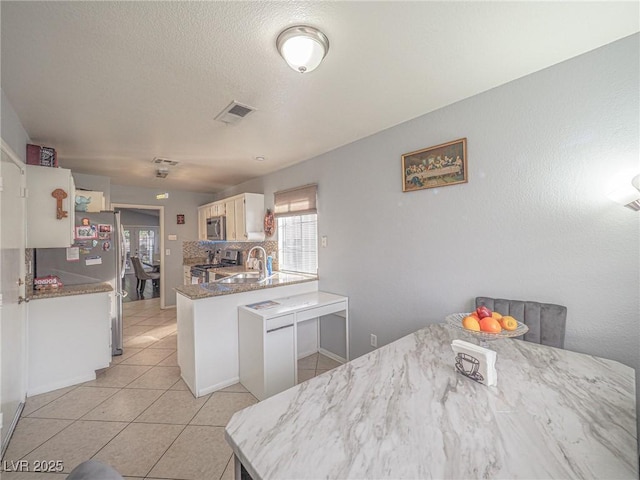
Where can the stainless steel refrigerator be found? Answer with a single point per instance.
(96, 256)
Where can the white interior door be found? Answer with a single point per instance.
(12, 313)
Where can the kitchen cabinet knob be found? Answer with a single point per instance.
(22, 299)
(20, 282)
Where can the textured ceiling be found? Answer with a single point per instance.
(111, 85)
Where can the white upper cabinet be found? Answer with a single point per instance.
(243, 214)
(50, 219)
(230, 222)
(203, 214)
(246, 218)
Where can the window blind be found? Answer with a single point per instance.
(298, 243)
(296, 201)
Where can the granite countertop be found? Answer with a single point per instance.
(402, 411)
(71, 290)
(191, 261)
(206, 290)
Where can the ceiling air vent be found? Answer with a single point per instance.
(162, 173)
(234, 112)
(164, 162)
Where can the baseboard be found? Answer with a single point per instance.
(306, 354)
(332, 355)
(12, 427)
(62, 384)
(218, 386)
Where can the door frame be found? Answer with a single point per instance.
(12, 422)
(160, 208)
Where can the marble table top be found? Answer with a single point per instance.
(402, 411)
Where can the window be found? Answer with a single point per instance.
(295, 210)
(298, 243)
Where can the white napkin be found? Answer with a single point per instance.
(477, 363)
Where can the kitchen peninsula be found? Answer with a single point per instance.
(402, 411)
(208, 326)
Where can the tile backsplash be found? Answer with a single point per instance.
(200, 249)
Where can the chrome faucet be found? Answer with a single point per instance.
(262, 268)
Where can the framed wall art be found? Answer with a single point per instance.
(438, 166)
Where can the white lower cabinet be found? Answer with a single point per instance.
(68, 339)
(267, 353)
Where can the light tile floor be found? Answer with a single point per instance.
(137, 415)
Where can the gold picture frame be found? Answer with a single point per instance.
(433, 167)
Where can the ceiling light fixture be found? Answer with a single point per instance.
(628, 194)
(302, 47)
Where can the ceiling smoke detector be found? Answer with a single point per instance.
(165, 162)
(162, 173)
(234, 112)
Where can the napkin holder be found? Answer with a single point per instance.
(477, 363)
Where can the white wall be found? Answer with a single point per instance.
(186, 203)
(11, 129)
(533, 223)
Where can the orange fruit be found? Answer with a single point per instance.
(490, 324)
(496, 315)
(509, 323)
(471, 323)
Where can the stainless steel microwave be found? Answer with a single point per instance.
(216, 228)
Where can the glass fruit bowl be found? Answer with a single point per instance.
(455, 320)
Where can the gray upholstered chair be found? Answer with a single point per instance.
(546, 321)
(142, 275)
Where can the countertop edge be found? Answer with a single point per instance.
(71, 290)
(242, 288)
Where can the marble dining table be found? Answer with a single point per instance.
(403, 412)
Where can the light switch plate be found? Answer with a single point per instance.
(172, 237)
(324, 240)
(167, 252)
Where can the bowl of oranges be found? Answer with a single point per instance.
(487, 325)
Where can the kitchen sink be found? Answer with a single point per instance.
(245, 277)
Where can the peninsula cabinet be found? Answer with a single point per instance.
(50, 219)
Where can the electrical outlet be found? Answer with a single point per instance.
(374, 340)
(324, 240)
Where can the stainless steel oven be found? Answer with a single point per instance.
(229, 258)
(216, 228)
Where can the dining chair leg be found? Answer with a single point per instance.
(143, 283)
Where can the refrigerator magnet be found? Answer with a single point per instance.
(103, 228)
(73, 254)
(96, 260)
(85, 232)
(106, 246)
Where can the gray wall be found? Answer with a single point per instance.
(186, 203)
(96, 183)
(138, 219)
(11, 129)
(533, 222)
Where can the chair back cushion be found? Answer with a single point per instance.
(139, 269)
(546, 321)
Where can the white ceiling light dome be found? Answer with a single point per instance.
(303, 47)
